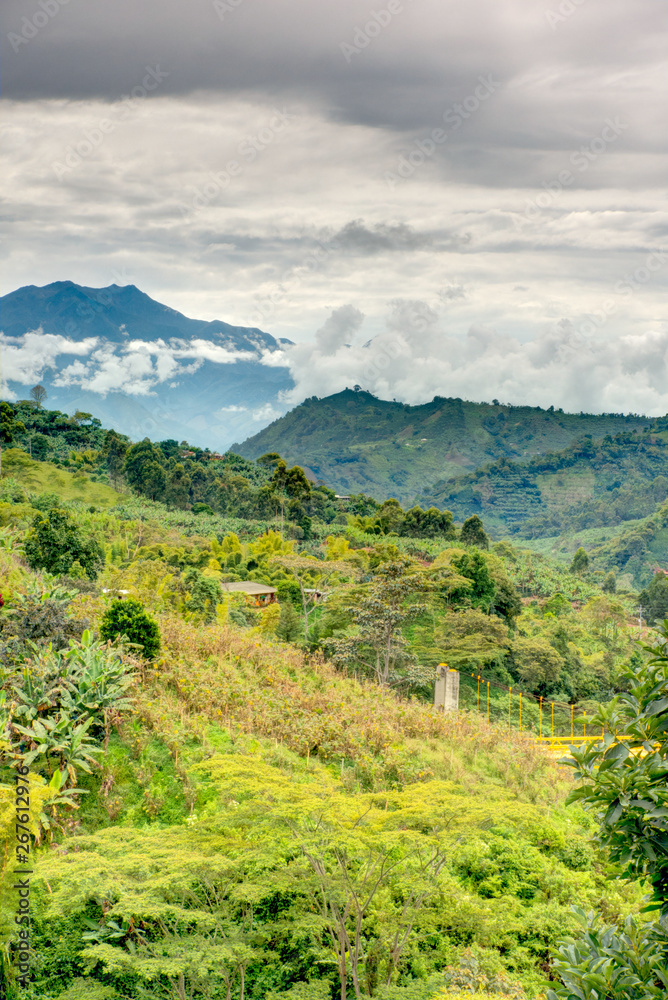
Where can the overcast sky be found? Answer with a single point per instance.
(455, 198)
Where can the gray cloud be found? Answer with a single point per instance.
(356, 237)
(142, 145)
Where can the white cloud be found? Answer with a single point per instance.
(26, 359)
(134, 366)
(265, 414)
(416, 357)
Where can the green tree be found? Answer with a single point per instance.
(203, 595)
(609, 585)
(654, 599)
(622, 781)
(538, 663)
(144, 469)
(177, 489)
(289, 624)
(432, 523)
(114, 451)
(580, 562)
(380, 614)
(391, 516)
(471, 638)
(482, 590)
(55, 543)
(473, 533)
(9, 425)
(128, 618)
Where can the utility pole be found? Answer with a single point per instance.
(640, 611)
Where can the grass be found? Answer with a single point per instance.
(43, 477)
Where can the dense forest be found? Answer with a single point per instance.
(233, 799)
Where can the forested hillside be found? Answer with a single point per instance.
(590, 484)
(360, 444)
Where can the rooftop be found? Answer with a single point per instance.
(249, 587)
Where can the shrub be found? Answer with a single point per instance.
(55, 543)
(128, 618)
(37, 619)
(87, 989)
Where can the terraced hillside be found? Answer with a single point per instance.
(590, 484)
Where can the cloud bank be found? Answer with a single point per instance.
(134, 367)
(416, 358)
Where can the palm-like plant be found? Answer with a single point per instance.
(63, 739)
(99, 682)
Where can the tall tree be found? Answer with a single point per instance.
(580, 562)
(39, 394)
(473, 533)
(380, 614)
(55, 543)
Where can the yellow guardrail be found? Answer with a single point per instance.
(562, 744)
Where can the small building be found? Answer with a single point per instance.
(257, 594)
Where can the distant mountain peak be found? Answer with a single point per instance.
(146, 368)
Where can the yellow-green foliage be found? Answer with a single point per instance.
(244, 754)
(219, 674)
(43, 477)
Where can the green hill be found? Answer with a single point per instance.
(590, 484)
(44, 477)
(357, 443)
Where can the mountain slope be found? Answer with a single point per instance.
(144, 368)
(359, 443)
(590, 484)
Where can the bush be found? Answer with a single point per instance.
(37, 619)
(128, 618)
(87, 989)
(55, 543)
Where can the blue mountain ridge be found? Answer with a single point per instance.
(212, 402)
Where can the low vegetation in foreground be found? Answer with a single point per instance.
(232, 801)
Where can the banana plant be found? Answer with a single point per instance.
(62, 738)
(43, 682)
(59, 796)
(100, 682)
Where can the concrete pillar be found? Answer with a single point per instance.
(446, 692)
